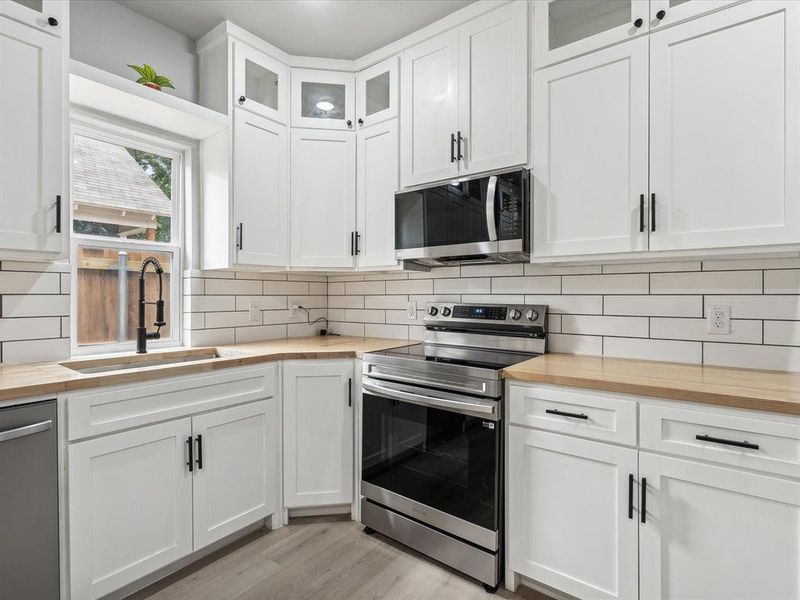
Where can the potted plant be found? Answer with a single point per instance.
(150, 78)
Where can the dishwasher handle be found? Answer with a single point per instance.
(26, 430)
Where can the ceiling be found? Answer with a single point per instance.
(345, 29)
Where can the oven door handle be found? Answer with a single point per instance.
(491, 224)
(478, 408)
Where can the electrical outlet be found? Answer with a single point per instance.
(255, 312)
(411, 310)
(718, 319)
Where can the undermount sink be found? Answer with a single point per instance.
(129, 362)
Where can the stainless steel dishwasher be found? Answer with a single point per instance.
(29, 502)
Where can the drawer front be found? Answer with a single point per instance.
(106, 410)
(741, 441)
(589, 414)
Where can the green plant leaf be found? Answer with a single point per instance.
(164, 81)
(141, 80)
(138, 69)
(150, 73)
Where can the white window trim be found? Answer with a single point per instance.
(143, 138)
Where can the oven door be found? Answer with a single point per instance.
(435, 457)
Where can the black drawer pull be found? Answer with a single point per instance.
(630, 495)
(561, 413)
(644, 500)
(452, 147)
(199, 451)
(653, 211)
(716, 440)
(641, 213)
(190, 463)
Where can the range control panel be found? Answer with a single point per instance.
(517, 314)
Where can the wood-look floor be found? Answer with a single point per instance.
(319, 559)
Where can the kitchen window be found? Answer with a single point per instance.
(126, 204)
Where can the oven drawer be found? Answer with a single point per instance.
(742, 441)
(589, 414)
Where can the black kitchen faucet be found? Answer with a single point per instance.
(141, 331)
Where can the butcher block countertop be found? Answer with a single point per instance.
(22, 381)
(774, 391)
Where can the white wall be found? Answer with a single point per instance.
(109, 36)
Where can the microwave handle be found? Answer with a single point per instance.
(491, 223)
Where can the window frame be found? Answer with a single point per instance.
(129, 134)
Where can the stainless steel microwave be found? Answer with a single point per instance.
(483, 220)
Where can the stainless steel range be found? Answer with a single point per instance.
(432, 451)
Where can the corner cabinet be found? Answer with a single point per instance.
(33, 151)
(323, 99)
(318, 433)
(464, 99)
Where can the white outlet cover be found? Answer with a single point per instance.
(255, 312)
(718, 319)
(411, 309)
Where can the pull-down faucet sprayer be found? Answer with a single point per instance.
(141, 331)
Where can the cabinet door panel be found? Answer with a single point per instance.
(235, 481)
(724, 128)
(429, 104)
(37, 13)
(260, 84)
(130, 499)
(260, 190)
(377, 182)
(31, 147)
(717, 533)
(377, 93)
(590, 153)
(323, 197)
(568, 514)
(675, 11)
(493, 76)
(323, 99)
(317, 433)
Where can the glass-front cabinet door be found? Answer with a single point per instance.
(261, 84)
(669, 12)
(566, 28)
(46, 15)
(376, 92)
(323, 99)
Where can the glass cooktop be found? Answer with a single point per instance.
(458, 355)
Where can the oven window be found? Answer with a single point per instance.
(442, 459)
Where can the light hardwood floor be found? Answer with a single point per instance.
(319, 559)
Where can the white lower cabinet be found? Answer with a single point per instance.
(130, 506)
(142, 499)
(569, 522)
(578, 521)
(717, 533)
(317, 433)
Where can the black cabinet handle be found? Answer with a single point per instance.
(638, 23)
(641, 213)
(561, 413)
(349, 123)
(240, 234)
(58, 214)
(361, 121)
(643, 506)
(653, 211)
(52, 21)
(460, 154)
(242, 99)
(452, 147)
(630, 495)
(661, 14)
(199, 451)
(358, 243)
(352, 243)
(190, 464)
(716, 440)
(350, 391)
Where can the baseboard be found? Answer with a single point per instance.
(317, 511)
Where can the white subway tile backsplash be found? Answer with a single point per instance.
(605, 284)
(759, 307)
(742, 331)
(575, 344)
(35, 306)
(279, 288)
(343, 328)
(388, 302)
(493, 270)
(409, 286)
(436, 273)
(463, 285)
(531, 269)
(576, 305)
(228, 287)
(526, 285)
(492, 299)
(656, 267)
(264, 302)
(18, 282)
(365, 316)
(35, 351)
(32, 328)
(367, 287)
(398, 332)
(210, 337)
(752, 356)
(656, 306)
(647, 349)
(346, 301)
(603, 325)
(720, 282)
(778, 333)
(782, 281)
(263, 332)
(218, 320)
(209, 303)
(783, 262)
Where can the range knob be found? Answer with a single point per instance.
(531, 315)
(446, 311)
(515, 314)
(433, 311)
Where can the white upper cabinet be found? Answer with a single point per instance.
(463, 98)
(261, 83)
(33, 194)
(590, 153)
(235, 481)
(724, 127)
(260, 191)
(493, 83)
(323, 198)
(669, 12)
(47, 15)
(377, 180)
(377, 92)
(565, 28)
(717, 533)
(429, 104)
(317, 433)
(323, 99)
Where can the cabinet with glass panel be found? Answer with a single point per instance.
(323, 99)
(376, 93)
